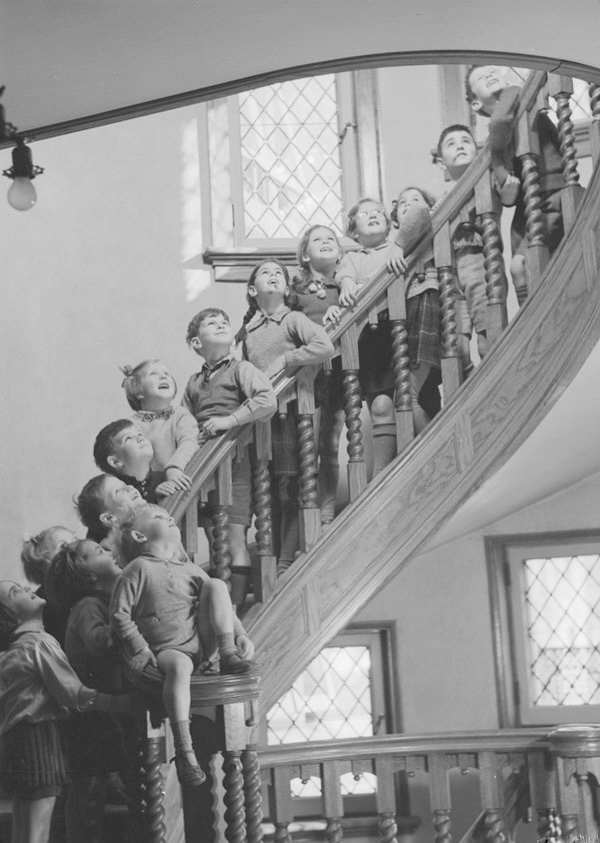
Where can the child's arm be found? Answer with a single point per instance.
(313, 346)
(186, 438)
(125, 596)
(501, 133)
(260, 403)
(347, 280)
(90, 621)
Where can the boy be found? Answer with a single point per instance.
(226, 394)
(103, 502)
(490, 95)
(123, 450)
(166, 612)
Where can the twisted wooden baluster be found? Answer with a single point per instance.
(451, 366)
(537, 252)
(309, 496)
(594, 92)
(561, 88)
(493, 827)
(547, 825)
(441, 826)
(234, 797)
(352, 407)
(265, 576)
(402, 391)
(262, 508)
(495, 278)
(252, 795)
(334, 831)
(282, 834)
(220, 544)
(388, 828)
(154, 794)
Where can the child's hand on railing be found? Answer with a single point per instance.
(396, 262)
(179, 478)
(348, 292)
(332, 315)
(167, 487)
(218, 424)
(140, 661)
(508, 191)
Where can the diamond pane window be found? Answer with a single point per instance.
(290, 158)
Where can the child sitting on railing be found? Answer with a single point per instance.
(150, 389)
(36, 555)
(37, 687)
(315, 293)
(167, 612)
(412, 215)
(275, 339)
(80, 580)
(226, 394)
(489, 94)
(122, 449)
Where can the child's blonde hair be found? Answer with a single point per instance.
(131, 381)
(301, 281)
(37, 553)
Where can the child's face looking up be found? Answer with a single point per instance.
(411, 198)
(21, 599)
(269, 284)
(118, 498)
(371, 226)
(99, 560)
(486, 83)
(457, 151)
(156, 524)
(214, 331)
(130, 446)
(322, 248)
(155, 381)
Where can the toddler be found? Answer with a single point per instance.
(275, 338)
(122, 449)
(226, 394)
(37, 687)
(412, 214)
(369, 224)
(173, 432)
(167, 612)
(36, 556)
(315, 293)
(81, 579)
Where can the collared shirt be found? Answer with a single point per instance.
(362, 265)
(37, 682)
(285, 333)
(230, 387)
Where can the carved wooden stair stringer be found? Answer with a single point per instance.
(481, 427)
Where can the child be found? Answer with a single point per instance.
(105, 501)
(315, 293)
(150, 388)
(274, 339)
(490, 95)
(36, 556)
(226, 394)
(123, 450)
(168, 613)
(412, 213)
(81, 579)
(37, 686)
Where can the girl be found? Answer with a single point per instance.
(314, 292)
(173, 431)
(276, 338)
(412, 215)
(369, 225)
(167, 612)
(81, 579)
(37, 684)
(36, 555)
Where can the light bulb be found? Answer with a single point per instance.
(21, 194)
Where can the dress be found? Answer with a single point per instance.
(173, 433)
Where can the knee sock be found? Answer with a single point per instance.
(182, 737)
(329, 475)
(384, 446)
(240, 580)
(521, 295)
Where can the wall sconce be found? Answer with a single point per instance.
(21, 194)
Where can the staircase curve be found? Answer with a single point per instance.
(480, 428)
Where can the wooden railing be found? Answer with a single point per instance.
(553, 777)
(473, 195)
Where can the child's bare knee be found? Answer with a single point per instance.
(382, 410)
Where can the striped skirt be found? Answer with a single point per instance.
(33, 756)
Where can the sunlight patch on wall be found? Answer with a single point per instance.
(195, 280)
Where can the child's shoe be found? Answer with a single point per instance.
(233, 664)
(188, 773)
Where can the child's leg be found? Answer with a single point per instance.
(384, 432)
(86, 801)
(329, 464)
(215, 626)
(240, 564)
(418, 377)
(177, 668)
(482, 344)
(289, 524)
(31, 819)
(518, 272)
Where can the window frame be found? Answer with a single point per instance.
(506, 598)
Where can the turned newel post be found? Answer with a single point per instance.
(357, 473)
(561, 88)
(266, 576)
(439, 794)
(495, 278)
(451, 363)
(577, 751)
(396, 297)
(528, 151)
(310, 512)
(594, 92)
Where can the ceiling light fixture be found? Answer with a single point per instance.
(21, 193)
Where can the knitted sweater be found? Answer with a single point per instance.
(174, 436)
(288, 333)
